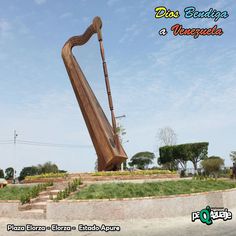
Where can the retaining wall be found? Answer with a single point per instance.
(121, 209)
(139, 208)
(9, 209)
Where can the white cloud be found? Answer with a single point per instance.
(131, 32)
(5, 27)
(5, 30)
(65, 15)
(112, 2)
(40, 2)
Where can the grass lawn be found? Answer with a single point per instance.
(13, 193)
(129, 190)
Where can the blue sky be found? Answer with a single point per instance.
(185, 83)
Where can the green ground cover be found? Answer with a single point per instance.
(137, 172)
(13, 193)
(24, 194)
(129, 190)
(47, 175)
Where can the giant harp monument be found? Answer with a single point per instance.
(104, 135)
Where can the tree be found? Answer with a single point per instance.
(9, 172)
(121, 132)
(142, 159)
(167, 136)
(212, 165)
(172, 156)
(181, 155)
(29, 171)
(167, 159)
(1, 173)
(233, 156)
(175, 155)
(197, 152)
(48, 167)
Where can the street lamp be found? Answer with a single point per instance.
(119, 117)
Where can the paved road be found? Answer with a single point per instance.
(180, 226)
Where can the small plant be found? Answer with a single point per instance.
(34, 192)
(72, 187)
(25, 198)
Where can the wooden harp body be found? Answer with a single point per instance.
(105, 140)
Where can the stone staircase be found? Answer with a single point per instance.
(36, 209)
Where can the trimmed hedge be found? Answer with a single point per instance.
(48, 175)
(139, 172)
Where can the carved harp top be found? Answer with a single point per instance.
(105, 140)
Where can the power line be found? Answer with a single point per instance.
(6, 142)
(43, 144)
(36, 143)
(15, 136)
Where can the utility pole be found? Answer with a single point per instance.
(15, 136)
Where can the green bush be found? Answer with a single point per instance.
(34, 192)
(25, 198)
(45, 176)
(71, 187)
(212, 165)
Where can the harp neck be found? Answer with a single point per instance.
(95, 28)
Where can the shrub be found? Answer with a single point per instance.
(47, 167)
(25, 198)
(71, 187)
(1, 173)
(48, 175)
(212, 165)
(139, 172)
(34, 192)
(182, 174)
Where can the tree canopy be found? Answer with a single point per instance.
(212, 165)
(9, 172)
(1, 173)
(47, 167)
(180, 154)
(233, 156)
(142, 159)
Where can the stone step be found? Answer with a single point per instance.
(25, 207)
(54, 192)
(42, 198)
(61, 185)
(50, 188)
(39, 205)
(43, 193)
(33, 214)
